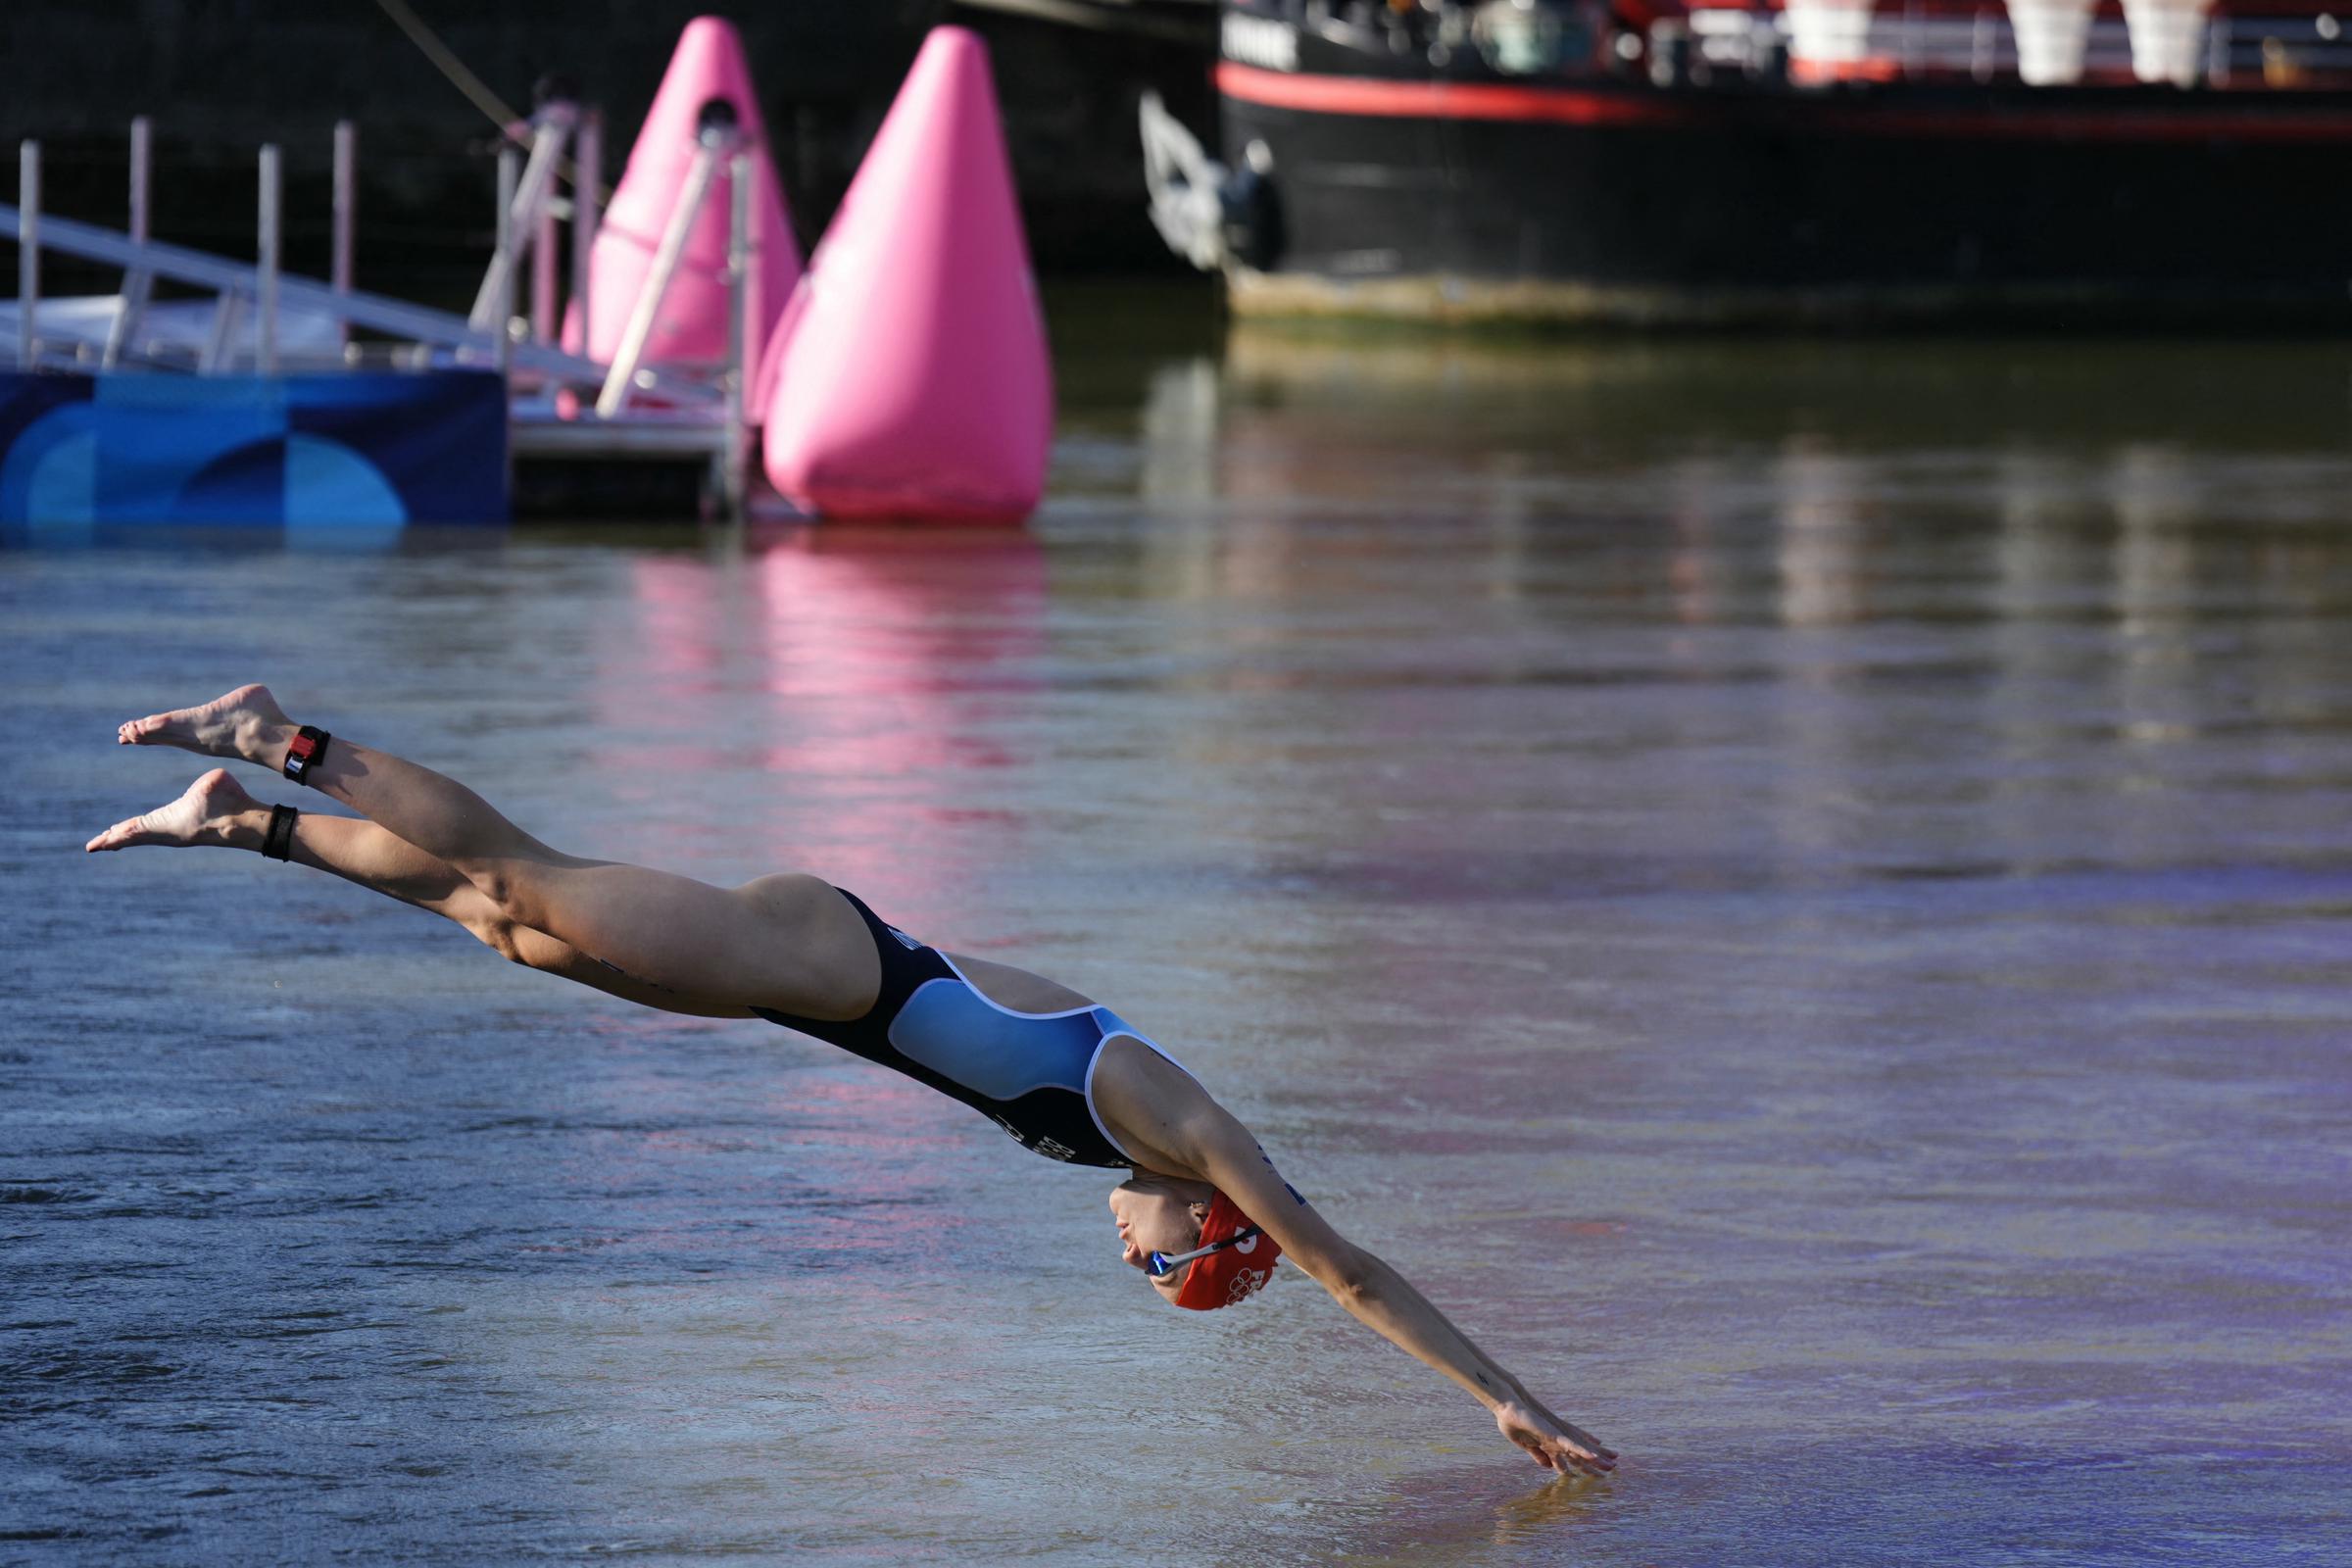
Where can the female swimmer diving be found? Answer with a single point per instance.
(1069, 1079)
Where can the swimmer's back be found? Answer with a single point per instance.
(1017, 989)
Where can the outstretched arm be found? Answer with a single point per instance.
(216, 814)
(1158, 1106)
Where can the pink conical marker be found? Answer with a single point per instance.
(910, 375)
(708, 64)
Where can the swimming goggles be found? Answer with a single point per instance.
(1161, 1264)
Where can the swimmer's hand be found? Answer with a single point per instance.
(1552, 1441)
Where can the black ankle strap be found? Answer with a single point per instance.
(306, 750)
(278, 843)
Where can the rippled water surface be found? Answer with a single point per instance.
(1801, 891)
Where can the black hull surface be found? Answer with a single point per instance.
(1750, 204)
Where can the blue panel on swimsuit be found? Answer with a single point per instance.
(952, 1029)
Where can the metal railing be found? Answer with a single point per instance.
(264, 319)
(2239, 50)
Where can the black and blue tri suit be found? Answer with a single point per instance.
(1032, 1073)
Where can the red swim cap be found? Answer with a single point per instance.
(1224, 1278)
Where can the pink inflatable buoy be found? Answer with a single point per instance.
(692, 327)
(909, 376)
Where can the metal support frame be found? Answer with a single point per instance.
(137, 285)
(265, 327)
(278, 323)
(29, 252)
(346, 214)
(743, 304)
(521, 205)
(228, 310)
(398, 319)
(500, 284)
(716, 143)
(543, 276)
(587, 201)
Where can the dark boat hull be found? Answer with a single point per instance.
(1859, 203)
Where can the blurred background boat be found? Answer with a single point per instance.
(1816, 162)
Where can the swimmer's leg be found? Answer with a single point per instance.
(784, 941)
(216, 814)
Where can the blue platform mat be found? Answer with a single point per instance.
(364, 451)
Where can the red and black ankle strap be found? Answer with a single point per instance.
(278, 843)
(306, 751)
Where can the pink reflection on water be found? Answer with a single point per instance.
(895, 650)
(862, 671)
(833, 701)
(897, 610)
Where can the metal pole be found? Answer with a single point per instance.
(136, 282)
(228, 310)
(543, 272)
(142, 147)
(549, 132)
(754, 301)
(346, 214)
(743, 282)
(657, 280)
(265, 290)
(502, 281)
(587, 195)
(28, 249)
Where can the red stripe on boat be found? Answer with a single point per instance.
(1442, 100)
(1578, 106)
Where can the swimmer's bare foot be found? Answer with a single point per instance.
(245, 724)
(214, 811)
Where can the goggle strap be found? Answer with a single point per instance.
(1167, 1262)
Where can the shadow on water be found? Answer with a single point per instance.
(210, 541)
(1639, 396)
(1804, 482)
(2014, 1504)
(1271, 414)
(1475, 1513)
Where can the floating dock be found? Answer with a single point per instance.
(914, 384)
(250, 319)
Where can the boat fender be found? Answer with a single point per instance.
(1252, 213)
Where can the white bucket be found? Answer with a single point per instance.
(2051, 35)
(1829, 32)
(2167, 39)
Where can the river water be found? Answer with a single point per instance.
(1800, 891)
